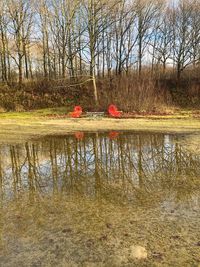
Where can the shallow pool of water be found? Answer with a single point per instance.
(86, 199)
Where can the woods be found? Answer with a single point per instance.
(103, 46)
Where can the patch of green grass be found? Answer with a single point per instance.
(49, 111)
(35, 113)
(64, 110)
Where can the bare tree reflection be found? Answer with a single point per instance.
(127, 167)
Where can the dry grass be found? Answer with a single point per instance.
(134, 93)
(17, 127)
(147, 93)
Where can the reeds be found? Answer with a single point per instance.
(147, 93)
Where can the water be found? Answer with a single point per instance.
(85, 199)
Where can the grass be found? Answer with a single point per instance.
(19, 126)
(33, 114)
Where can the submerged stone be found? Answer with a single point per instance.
(138, 252)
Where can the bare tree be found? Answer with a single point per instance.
(147, 12)
(182, 36)
(20, 28)
(195, 32)
(161, 40)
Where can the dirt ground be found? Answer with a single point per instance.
(84, 232)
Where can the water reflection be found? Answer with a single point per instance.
(79, 135)
(120, 168)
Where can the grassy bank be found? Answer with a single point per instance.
(17, 127)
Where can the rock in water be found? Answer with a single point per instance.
(138, 252)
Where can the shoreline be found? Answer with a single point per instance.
(17, 130)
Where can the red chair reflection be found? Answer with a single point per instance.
(113, 135)
(79, 135)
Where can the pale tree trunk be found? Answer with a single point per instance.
(93, 38)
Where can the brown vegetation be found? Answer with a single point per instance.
(141, 55)
(130, 93)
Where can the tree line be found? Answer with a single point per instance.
(86, 39)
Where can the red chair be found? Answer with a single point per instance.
(113, 111)
(77, 112)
